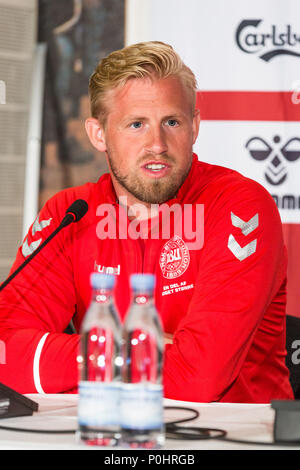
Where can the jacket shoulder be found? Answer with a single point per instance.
(224, 182)
(92, 193)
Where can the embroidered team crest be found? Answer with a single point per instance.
(174, 258)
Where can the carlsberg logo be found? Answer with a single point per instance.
(267, 40)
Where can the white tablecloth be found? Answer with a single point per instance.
(241, 421)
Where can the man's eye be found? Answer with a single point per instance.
(172, 122)
(136, 124)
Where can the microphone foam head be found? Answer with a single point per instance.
(78, 209)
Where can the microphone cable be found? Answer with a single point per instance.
(172, 430)
(175, 432)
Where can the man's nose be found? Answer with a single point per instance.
(156, 141)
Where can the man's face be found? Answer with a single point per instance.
(149, 134)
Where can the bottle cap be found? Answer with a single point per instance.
(102, 281)
(142, 281)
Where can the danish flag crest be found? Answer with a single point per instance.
(175, 258)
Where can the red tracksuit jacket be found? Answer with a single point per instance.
(224, 302)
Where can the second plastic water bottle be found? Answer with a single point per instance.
(142, 391)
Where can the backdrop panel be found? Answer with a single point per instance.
(246, 56)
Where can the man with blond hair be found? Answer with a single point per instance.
(220, 267)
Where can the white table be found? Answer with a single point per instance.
(241, 421)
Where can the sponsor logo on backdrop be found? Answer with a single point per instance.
(277, 158)
(256, 36)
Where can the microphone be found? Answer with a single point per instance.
(73, 214)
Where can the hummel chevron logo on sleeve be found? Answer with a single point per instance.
(239, 252)
(246, 228)
(38, 226)
(28, 249)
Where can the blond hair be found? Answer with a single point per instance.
(152, 59)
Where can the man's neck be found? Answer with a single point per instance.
(137, 209)
(134, 207)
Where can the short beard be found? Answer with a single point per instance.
(157, 191)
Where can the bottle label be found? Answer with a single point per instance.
(141, 406)
(99, 404)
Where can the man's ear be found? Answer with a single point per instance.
(96, 134)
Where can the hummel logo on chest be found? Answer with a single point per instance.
(107, 269)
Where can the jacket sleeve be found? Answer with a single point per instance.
(35, 309)
(241, 267)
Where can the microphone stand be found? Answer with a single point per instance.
(13, 403)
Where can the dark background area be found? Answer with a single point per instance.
(73, 51)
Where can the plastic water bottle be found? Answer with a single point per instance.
(100, 362)
(142, 391)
